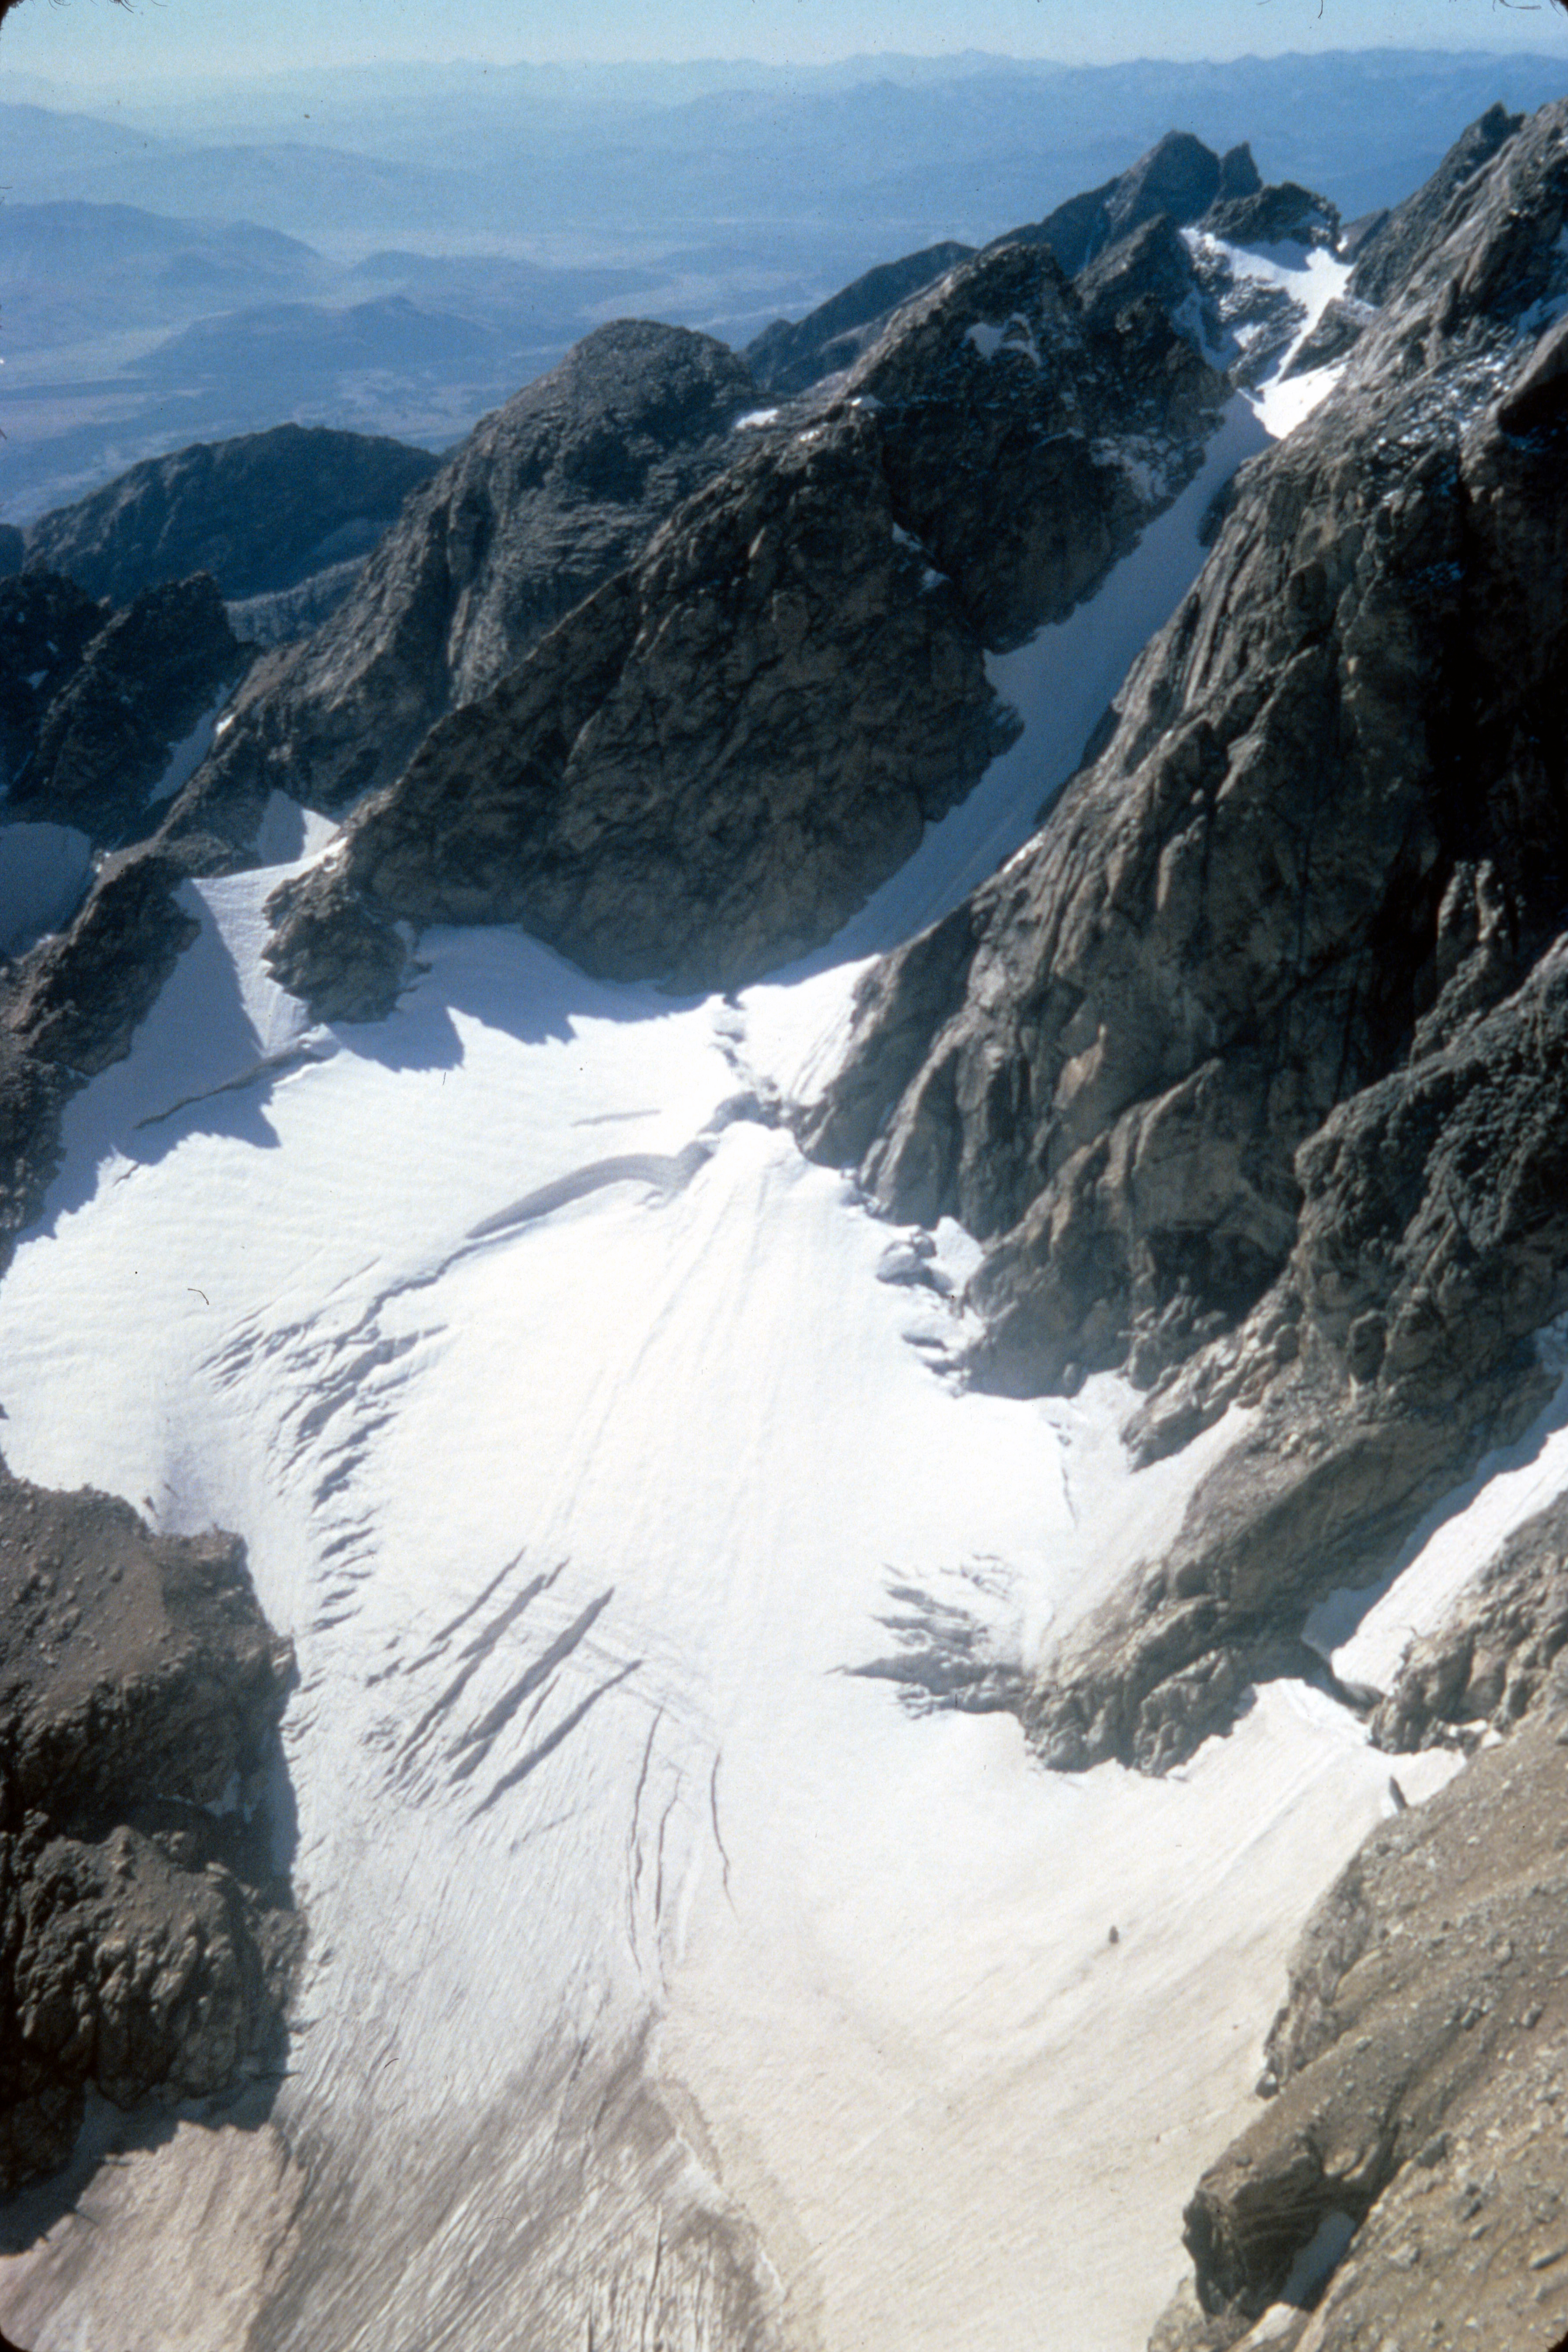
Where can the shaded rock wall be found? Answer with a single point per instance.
(259, 512)
(146, 1943)
(1416, 2077)
(545, 499)
(711, 762)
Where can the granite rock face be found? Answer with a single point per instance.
(1383, 262)
(1328, 813)
(1492, 1660)
(711, 762)
(703, 769)
(791, 356)
(1248, 1070)
(260, 512)
(1408, 2176)
(1179, 177)
(69, 1009)
(147, 1942)
(546, 498)
(145, 680)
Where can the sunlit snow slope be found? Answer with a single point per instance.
(670, 1981)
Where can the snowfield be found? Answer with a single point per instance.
(671, 1976)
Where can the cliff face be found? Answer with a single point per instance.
(259, 512)
(708, 765)
(146, 1941)
(1326, 831)
(545, 499)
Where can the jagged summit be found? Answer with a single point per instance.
(789, 357)
(1179, 177)
(800, 647)
(546, 497)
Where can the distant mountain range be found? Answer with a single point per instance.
(505, 213)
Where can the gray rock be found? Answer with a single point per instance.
(46, 624)
(1417, 2077)
(1017, 432)
(704, 769)
(546, 498)
(1386, 257)
(104, 737)
(260, 512)
(1492, 1659)
(146, 1946)
(70, 1008)
(1285, 214)
(1338, 330)
(791, 356)
(1433, 1243)
(1152, 260)
(1238, 913)
(708, 765)
(1179, 178)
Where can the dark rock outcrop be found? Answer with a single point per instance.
(1179, 177)
(1285, 214)
(1243, 1016)
(69, 1009)
(146, 1941)
(706, 766)
(1417, 2080)
(1491, 1662)
(790, 356)
(260, 512)
(710, 764)
(143, 682)
(12, 550)
(1340, 327)
(1154, 262)
(46, 624)
(1401, 238)
(546, 498)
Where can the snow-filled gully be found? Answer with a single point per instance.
(670, 1978)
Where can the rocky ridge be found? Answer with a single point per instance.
(261, 513)
(147, 1941)
(1204, 1062)
(546, 498)
(705, 768)
(92, 739)
(1407, 2179)
(791, 355)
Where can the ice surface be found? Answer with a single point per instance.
(582, 1519)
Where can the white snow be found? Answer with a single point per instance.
(1311, 276)
(1014, 334)
(481, 1313)
(44, 869)
(186, 756)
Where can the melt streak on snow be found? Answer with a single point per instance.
(654, 1947)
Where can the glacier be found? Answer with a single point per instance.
(672, 1979)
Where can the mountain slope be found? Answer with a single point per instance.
(700, 1951)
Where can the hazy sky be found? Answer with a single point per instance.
(92, 39)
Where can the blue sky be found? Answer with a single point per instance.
(92, 40)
